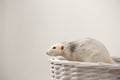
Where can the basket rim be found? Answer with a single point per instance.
(57, 61)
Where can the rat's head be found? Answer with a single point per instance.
(56, 50)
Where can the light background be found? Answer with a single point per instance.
(29, 27)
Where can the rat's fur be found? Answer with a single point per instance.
(85, 50)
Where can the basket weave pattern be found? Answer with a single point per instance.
(72, 70)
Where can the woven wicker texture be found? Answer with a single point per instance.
(72, 70)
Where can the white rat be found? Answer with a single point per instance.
(85, 50)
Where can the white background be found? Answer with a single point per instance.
(29, 27)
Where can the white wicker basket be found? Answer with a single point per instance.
(72, 70)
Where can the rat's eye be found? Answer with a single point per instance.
(54, 47)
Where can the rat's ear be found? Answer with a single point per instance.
(62, 47)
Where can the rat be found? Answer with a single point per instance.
(84, 50)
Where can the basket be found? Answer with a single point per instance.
(73, 70)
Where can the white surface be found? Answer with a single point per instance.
(30, 27)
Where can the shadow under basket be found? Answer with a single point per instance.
(72, 70)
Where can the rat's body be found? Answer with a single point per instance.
(85, 50)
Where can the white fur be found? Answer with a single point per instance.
(55, 52)
(88, 50)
